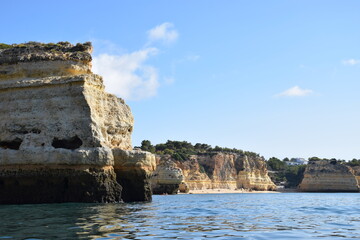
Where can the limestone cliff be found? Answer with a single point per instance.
(167, 177)
(253, 174)
(328, 176)
(59, 129)
(356, 170)
(226, 171)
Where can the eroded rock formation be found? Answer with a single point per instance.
(60, 132)
(133, 171)
(328, 176)
(253, 174)
(226, 171)
(357, 174)
(167, 177)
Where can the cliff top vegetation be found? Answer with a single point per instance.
(36, 51)
(63, 46)
(291, 175)
(182, 150)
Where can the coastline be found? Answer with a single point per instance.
(219, 190)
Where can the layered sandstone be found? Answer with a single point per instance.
(328, 176)
(357, 174)
(59, 129)
(195, 176)
(253, 174)
(167, 177)
(226, 171)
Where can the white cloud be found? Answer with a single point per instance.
(295, 91)
(164, 32)
(351, 62)
(127, 75)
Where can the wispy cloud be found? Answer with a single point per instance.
(295, 91)
(164, 32)
(128, 75)
(351, 62)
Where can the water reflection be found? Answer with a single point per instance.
(227, 216)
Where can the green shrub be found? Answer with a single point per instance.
(4, 46)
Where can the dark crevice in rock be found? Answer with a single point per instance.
(25, 130)
(66, 183)
(14, 144)
(69, 143)
(36, 131)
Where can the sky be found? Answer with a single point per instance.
(279, 78)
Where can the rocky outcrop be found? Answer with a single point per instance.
(328, 176)
(183, 188)
(195, 176)
(133, 171)
(60, 132)
(253, 174)
(167, 177)
(226, 171)
(356, 170)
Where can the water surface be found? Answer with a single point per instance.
(193, 216)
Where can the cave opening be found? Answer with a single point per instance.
(67, 143)
(14, 144)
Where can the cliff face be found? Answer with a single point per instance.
(356, 170)
(194, 174)
(326, 176)
(227, 171)
(253, 174)
(58, 127)
(167, 177)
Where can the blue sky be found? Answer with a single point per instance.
(280, 78)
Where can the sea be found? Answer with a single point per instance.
(191, 216)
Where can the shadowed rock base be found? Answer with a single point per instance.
(135, 185)
(18, 186)
(133, 170)
(166, 189)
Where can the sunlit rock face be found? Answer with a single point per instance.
(252, 174)
(167, 177)
(225, 171)
(356, 170)
(328, 176)
(58, 127)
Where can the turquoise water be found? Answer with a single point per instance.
(217, 216)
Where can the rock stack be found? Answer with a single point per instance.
(167, 177)
(61, 133)
(328, 176)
